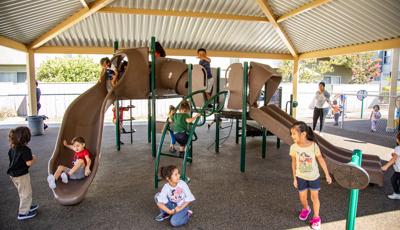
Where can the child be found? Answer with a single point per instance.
(374, 117)
(395, 161)
(174, 198)
(205, 62)
(81, 164)
(21, 158)
(171, 113)
(181, 120)
(111, 76)
(305, 153)
(335, 112)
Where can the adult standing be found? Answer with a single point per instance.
(321, 97)
(38, 94)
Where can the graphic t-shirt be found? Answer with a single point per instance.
(306, 162)
(178, 194)
(81, 155)
(180, 124)
(376, 115)
(396, 165)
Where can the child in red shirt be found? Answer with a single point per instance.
(81, 164)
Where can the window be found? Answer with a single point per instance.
(21, 77)
(329, 79)
(8, 76)
(386, 57)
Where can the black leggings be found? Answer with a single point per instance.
(318, 113)
(396, 182)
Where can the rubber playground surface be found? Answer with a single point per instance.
(121, 195)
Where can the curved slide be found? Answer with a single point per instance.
(85, 115)
(278, 122)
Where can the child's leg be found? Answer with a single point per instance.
(303, 199)
(79, 163)
(173, 141)
(23, 185)
(315, 201)
(180, 218)
(395, 179)
(60, 169)
(315, 117)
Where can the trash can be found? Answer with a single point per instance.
(35, 124)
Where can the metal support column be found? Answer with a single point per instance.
(217, 116)
(244, 119)
(153, 97)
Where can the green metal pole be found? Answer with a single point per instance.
(153, 96)
(353, 194)
(362, 107)
(190, 71)
(237, 132)
(244, 119)
(217, 123)
(264, 143)
(116, 106)
(149, 118)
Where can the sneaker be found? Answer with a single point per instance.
(181, 154)
(45, 126)
(172, 149)
(315, 223)
(34, 207)
(394, 196)
(64, 178)
(52, 181)
(29, 215)
(304, 213)
(162, 216)
(190, 213)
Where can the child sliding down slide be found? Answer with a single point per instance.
(81, 164)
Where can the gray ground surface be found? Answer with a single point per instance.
(121, 196)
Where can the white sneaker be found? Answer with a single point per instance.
(64, 178)
(394, 196)
(52, 181)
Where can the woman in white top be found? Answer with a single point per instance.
(321, 96)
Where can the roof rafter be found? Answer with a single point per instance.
(13, 44)
(170, 52)
(371, 46)
(302, 9)
(69, 22)
(157, 12)
(84, 3)
(268, 12)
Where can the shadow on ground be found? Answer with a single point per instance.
(121, 196)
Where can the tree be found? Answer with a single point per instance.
(77, 69)
(310, 70)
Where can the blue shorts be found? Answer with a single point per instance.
(308, 184)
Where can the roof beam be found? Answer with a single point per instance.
(379, 45)
(69, 22)
(13, 44)
(268, 12)
(302, 9)
(120, 10)
(170, 52)
(84, 4)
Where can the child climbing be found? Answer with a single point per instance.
(374, 117)
(174, 198)
(171, 112)
(335, 112)
(205, 62)
(110, 75)
(181, 121)
(395, 179)
(21, 159)
(80, 164)
(305, 153)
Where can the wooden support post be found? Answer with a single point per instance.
(393, 89)
(295, 82)
(30, 69)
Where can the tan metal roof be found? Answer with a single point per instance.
(342, 23)
(172, 32)
(25, 20)
(222, 25)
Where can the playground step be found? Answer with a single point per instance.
(174, 155)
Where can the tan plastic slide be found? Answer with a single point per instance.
(278, 122)
(85, 115)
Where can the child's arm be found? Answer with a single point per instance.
(370, 116)
(31, 162)
(163, 207)
(67, 145)
(184, 205)
(190, 120)
(390, 163)
(322, 162)
(294, 171)
(88, 163)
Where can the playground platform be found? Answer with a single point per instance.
(121, 195)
